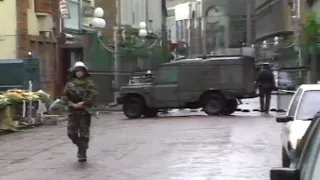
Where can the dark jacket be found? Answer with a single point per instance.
(265, 79)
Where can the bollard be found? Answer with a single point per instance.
(30, 120)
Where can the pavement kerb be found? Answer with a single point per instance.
(5, 132)
(60, 119)
(24, 127)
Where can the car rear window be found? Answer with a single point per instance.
(309, 105)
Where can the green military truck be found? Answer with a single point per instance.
(215, 83)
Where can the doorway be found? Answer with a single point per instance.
(68, 57)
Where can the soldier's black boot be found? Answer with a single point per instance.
(79, 153)
(82, 154)
(82, 150)
(82, 157)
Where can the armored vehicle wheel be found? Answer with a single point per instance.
(213, 104)
(150, 112)
(133, 107)
(231, 106)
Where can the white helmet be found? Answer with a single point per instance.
(79, 64)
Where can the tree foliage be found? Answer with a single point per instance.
(311, 29)
(130, 43)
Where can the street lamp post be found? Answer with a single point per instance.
(99, 23)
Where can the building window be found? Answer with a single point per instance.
(74, 12)
(42, 6)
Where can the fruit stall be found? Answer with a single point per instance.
(22, 108)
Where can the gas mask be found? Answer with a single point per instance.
(79, 73)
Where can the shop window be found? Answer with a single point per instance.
(74, 13)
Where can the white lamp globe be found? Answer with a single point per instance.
(143, 33)
(102, 23)
(276, 38)
(98, 23)
(95, 22)
(98, 12)
(143, 25)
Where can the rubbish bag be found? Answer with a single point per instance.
(45, 97)
(57, 107)
(44, 93)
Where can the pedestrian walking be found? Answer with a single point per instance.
(79, 95)
(266, 83)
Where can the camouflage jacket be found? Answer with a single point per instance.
(79, 90)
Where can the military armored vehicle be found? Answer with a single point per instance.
(214, 83)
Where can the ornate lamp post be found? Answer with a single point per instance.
(100, 24)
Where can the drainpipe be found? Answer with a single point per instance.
(164, 32)
(146, 6)
(117, 51)
(189, 29)
(249, 22)
(313, 66)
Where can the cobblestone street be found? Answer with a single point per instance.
(189, 146)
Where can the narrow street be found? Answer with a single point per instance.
(189, 146)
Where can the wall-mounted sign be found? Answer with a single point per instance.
(64, 10)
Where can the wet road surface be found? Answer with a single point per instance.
(190, 146)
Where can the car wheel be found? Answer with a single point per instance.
(231, 107)
(285, 158)
(213, 104)
(150, 112)
(133, 107)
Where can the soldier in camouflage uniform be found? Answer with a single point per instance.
(79, 94)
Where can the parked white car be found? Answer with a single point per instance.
(302, 108)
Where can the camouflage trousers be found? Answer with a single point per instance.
(79, 128)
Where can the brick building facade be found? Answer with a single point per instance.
(36, 33)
